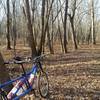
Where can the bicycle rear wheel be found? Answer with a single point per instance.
(43, 84)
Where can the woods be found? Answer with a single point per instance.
(58, 27)
(60, 21)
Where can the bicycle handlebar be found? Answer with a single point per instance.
(15, 62)
(39, 57)
(19, 60)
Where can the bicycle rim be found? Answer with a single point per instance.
(43, 84)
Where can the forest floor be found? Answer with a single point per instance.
(72, 76)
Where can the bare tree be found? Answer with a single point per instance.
(43, 31)
(59, 32)
(44, 25)
(14, 24)
(29, 24)
(49, 41)
(33, 2)
(92, 22)
(48, 30)
(8, 25)
(71, 17)
(60, 35)
(65, 20)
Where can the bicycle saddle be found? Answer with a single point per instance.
(18, 58)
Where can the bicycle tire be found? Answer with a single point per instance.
(46, 87)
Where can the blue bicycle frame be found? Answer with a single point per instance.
(23, 78)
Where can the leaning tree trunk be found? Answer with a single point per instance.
(4, 76)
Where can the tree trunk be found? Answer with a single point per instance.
(8, 26)
(33, 2)
(72, 17)
(65, 20)
(59, 31)
(44, 26)
(4, 76)
(29, 24)
(74, 34)
(14, 27)
(92, 24)
(43, 30)
(49, 42)
(52, 33)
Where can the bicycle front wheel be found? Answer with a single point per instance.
(43, 84)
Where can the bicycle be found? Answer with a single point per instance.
(26, 81)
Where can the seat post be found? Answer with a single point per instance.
(27, 82)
